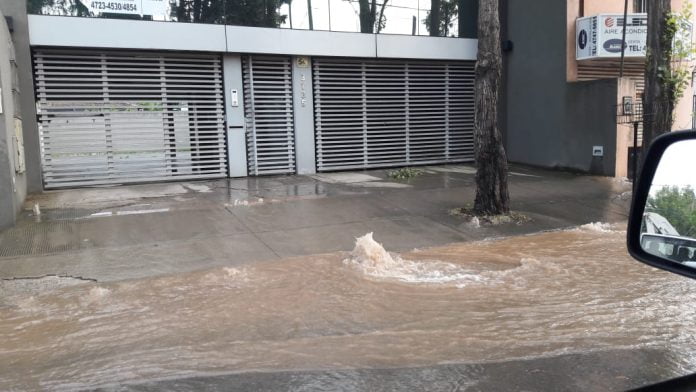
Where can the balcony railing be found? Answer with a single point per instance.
(409, 17)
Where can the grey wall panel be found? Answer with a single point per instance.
(299, 42)
(12, 187)
(550, 122)
(418, 47)
(130, 34)
(591, 121)
(234, 113)
(17, 9)
(536, 83)
(304, 114)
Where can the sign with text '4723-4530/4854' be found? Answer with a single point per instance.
(601, 36)
(130, 7)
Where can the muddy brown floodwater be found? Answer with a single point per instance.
(545, 294)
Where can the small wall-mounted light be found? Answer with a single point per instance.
(627, 105)
(507, 46)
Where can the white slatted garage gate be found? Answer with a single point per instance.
(269, 114)
(379, 113)
(125, 117)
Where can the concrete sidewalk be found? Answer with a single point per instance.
(145, 230)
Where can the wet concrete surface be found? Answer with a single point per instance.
(143, 231)
(116, 233)
(612, 370)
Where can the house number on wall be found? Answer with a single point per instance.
(303, 62)
(303, 94)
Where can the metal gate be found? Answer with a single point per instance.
(123, 117)
(269, 114)
(378, 113)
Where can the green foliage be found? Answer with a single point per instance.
(405, 173)
(149, 106)
(678, 33)
(678, 206)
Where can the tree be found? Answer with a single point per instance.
(658, 103)
(381, 20)
(464, 9)
(678, 206)
(57, 7)
(492, 197)
(435, 20)
(259, 13)
(368, 16)
(449, 10)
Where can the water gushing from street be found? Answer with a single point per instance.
(545, 294)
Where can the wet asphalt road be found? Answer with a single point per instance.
(613, 370)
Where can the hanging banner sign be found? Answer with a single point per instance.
(601, 36)
(127, 7)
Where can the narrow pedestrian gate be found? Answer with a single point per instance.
(110, 117)
(269, 114)
(378, 113)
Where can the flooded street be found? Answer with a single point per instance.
(539, 295)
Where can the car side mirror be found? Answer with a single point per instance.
(662, 223)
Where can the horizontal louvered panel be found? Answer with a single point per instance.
(123, 117)
(269, 115)
(609, 69)
(377, 113)
(80, 182)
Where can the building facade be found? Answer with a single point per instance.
(562, 106)
(147, 90)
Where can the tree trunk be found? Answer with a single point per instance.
(435, 18)
(197, 11)
(367, 19)
(290, 12)
(467, 10)
(492, 197)
(309, 14)
(658, 103)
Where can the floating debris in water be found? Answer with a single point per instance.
(405, 173)
(489, 220)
